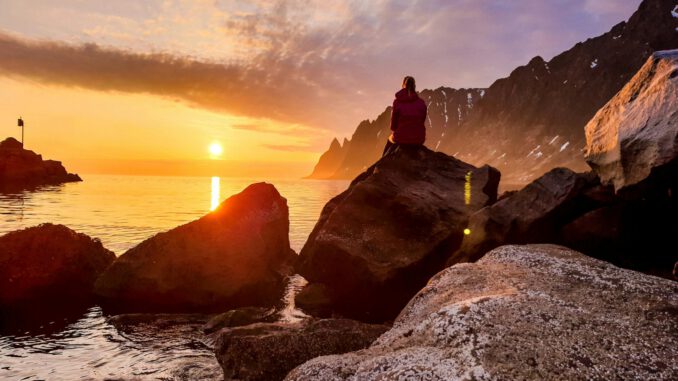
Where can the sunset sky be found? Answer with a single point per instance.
(144, 87)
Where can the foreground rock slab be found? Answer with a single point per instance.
(377, 243)
(51, 264)
(636, 132)
(237, 255)
(536, 312)
(268, 351)
(21, 168)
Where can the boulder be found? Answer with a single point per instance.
(377, 243)
(535, 214)
(49, 264)
(636, 132)
(268, 351)
(237, 255)
(21, 168)
(315, 300)
(536, 312)
(240, 317)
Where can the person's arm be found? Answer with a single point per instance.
(394, 116)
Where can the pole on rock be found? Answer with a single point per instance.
(20, 123)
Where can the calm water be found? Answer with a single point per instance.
(122, 211)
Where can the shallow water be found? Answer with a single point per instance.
(122, 211)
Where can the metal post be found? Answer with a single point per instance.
(20, 123)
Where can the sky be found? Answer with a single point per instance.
(144, 87)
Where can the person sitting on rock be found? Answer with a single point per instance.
(407, 118)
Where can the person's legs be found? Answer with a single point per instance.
(387, 148)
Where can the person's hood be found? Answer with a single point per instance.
(404, 96)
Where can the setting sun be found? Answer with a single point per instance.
(216, 149)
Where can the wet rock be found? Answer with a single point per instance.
(315, 300)
(268, 351)
(237, 255)
(240, 317)
(21, 168)
(376, 244)
(51, 264)
(636, 132)
(535, 214)
(531, 312)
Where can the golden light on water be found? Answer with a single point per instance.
(216, 149)
(216, 182)
(467, 189)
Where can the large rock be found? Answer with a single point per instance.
(21, 168)
(538, 312)
(535, 214)
(377, 243)
(268, 351)
(49, 264)
(636, 132)
(237, 255)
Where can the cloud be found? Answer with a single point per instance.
(319, 64)
(291, 147)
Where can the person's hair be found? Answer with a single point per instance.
(409, 84)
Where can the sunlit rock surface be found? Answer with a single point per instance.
(21, 168)
(268, 351)
(536, 312)
(637, 131)
(237, 255)
(377, 243)
(49, 265)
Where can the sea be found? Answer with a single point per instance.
(122, 211)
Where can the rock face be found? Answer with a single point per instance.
(535, 214)
(637, 131)
(237, 255)
(21, 168)
(240, 317)
(533, 120)
(48, 264)
(538, 312)
(330, 161)
(268, 352)
(377, 243)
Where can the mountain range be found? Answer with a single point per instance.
(531, 121)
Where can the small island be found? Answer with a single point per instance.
(24, 169)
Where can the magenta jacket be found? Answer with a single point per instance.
(407, 119)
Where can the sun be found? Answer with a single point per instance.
(216, 149)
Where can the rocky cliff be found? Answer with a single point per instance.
(21, 168)
(534, 119)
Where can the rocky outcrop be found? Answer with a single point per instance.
(21, 168)
(533, 120)
(636, 132)
(49, 265)
(376, 244)
(268, 352)
(535, 214)
(538, 312)
(237, 255)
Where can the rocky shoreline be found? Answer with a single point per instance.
(419, 270)
(24, 169)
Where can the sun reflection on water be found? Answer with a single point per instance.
(216, 181)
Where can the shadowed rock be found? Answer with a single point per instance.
(636, 132)
(240, 317)
(49, 265)
(537, 312)
(268, 352)
(535, 214)
(377, 243)
(21, 168)
(237, 255)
